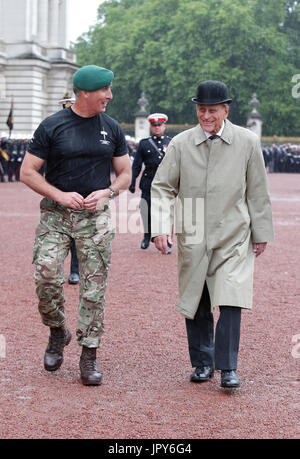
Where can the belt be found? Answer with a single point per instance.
(74, 210)
(55, 205)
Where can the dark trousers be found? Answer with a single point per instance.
(11, 170)
(221, 352)
(4, 168)
(145, 208)
(74, 261)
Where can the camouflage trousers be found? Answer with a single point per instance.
(93, 234)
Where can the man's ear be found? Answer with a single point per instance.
(226, 110)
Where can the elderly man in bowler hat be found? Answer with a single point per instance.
(78, 143)
(150, 152)
(216, 170)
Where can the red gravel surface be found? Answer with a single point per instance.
(146, 393)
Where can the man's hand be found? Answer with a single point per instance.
(259, 248)
(161, 243)
(72, 199)
(96, 200)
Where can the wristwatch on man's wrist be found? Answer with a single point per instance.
(112, 193)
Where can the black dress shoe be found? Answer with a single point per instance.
(145, 242)
(73, 279)
(202, 374)
(229, 379)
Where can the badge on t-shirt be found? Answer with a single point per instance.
(104, 141)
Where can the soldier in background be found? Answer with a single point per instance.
(283, 158)
(296, 155)
(13, 154)
(275, 152)
(21, 150)
(4, 158)
(150, 152)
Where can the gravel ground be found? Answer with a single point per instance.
(146, 393)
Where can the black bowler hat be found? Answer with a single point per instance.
(212, 93)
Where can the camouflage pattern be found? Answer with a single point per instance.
(93, 235)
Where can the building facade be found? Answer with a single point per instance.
(36, 66)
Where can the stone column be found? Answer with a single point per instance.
(1, 16)
(43, 21)
(26, 20)
(62, 25)
(33, 20)
(142, 126)
(53, 22)
(254, 120)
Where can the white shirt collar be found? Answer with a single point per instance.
(218, 133)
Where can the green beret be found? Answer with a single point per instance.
(92, 77)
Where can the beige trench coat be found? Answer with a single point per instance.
(220, 192)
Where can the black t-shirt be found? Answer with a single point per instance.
(78, 151)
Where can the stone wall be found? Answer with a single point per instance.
(36, 67)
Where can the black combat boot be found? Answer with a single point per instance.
(89, 370)
(59, 338)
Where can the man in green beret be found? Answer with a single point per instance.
(78, 144)
(92, 78)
